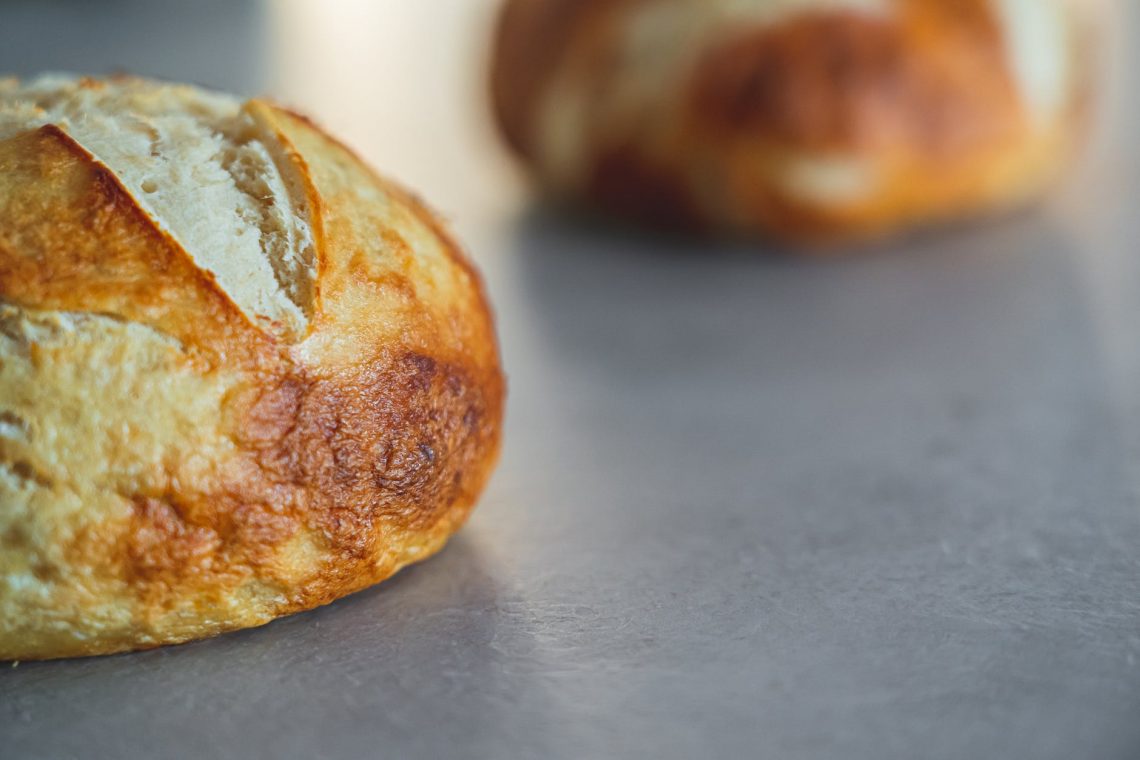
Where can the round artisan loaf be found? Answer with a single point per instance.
(240, 374)
(816, 119)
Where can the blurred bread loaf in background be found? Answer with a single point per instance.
(241, 375)
(803, 119)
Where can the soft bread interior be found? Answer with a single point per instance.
(202, 167)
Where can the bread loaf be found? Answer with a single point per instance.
(240, 374)
(807, 119)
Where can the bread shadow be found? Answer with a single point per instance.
(620, 299)
(412, 665)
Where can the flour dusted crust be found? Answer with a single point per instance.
(240, 374)
(808, 119)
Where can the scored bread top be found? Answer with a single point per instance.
(241, 374)
(201, 166)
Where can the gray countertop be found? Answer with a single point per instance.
(884, 506)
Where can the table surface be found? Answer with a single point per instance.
(882, 506)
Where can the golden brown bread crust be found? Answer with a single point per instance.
(325, 464)
(830, 120)
(533, 37)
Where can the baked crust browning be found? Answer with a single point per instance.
(806, 120)
(534, 37)
(170, 468)
(932, 78)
